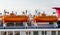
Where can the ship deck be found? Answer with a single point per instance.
(39, 26)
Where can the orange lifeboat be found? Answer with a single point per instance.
(14, 18)
(45, 18)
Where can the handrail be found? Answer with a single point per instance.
(29, 27)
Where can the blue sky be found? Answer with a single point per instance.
(18, 5)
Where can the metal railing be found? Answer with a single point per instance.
(29, 27)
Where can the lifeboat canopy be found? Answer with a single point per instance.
(44, 18)
(13, 18)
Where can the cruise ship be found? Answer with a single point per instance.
(38, 24)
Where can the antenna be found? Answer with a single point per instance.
(12, 11)
(6, 12)
(26, 11)
(23, 12)
(16, 12)
(36, 11)
(0, 14)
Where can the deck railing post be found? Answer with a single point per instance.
(19, 32)
(6, 32)
(13, 33)
(0, 33)
(39, 32)
(56, 32)
(48, 32)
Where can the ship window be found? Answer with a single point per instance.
(10, 33)
(58, 32)
(6, 33)
(17, 33)
(1, 23)
(50, 22)
(58, 22)
(28, 33)
(53, 33)
(35, 32)
(19, 23)
(44, 32)
(3, 33)
(29, 23)
(10, 24)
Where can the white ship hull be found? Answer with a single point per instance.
(30, 31)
